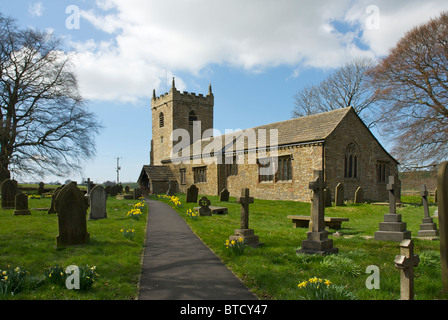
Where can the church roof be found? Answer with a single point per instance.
(158, 173)
(294, 131)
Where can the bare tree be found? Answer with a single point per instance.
(413, 79)
(348, 86)
(44, 123)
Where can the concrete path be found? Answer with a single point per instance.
(177, 265)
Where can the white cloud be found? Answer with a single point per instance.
(150, 37)
(36, 9)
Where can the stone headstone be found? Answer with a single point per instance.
(171, 188)
(359, 195)
(53, 198)
(327, 197)
(137, 192)
(427, 228)
(406, 262)
(442, 203)
(244, 232)
(22, 205)
(89, 186)
(224, 195)
(192, 194)
(317, 241)
(204, 204)
(71, 207)
(339, 195)
(392, 229)
(8, 192)
(98, 198)
(41, 188)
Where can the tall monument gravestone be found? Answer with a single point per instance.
(428, 228)
(71, 207)
(442, 203)
(244, 232)
(98, 198)
(8, 192)
(317, 241)
(392, 229)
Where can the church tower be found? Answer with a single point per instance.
(177, 110)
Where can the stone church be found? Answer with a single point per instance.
(276, 161)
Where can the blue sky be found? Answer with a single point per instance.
(256, 54)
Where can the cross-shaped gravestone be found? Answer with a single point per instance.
(245, 200)
(248, 236)
(406, 262)
(317, 241)
(391, 187)
(428, 228)
(392, 229)
(204, 209)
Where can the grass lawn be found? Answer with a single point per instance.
(275, 270)
(29, 242)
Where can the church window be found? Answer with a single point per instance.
(183, 176)
(265, 170)
(200, 174)
(161, 120)
(382, 172)
(284, 170)
(351, 162)
(231, 166)
(192, 117)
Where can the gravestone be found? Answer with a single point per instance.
(126, 189)
(41, 188)
(204, 207)
(435, 195)
(442, 203)
(339, 195)
(406, 262)
(53, 198)
(248, 236)
(8, 192)
(428, 228)
(98, 198)
(22, 205)
(89, 186)
(171, 187)
(71, 207)
(192, 194)
(317, 241)
(224, 195)
(137, 192)
(392, 229)
(359, 195)
(327, 198)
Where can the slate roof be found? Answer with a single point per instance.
(294, 131)
(158, 173)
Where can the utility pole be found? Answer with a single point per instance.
(118, 170)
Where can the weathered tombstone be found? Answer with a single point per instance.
(98, 198)
(359, 195)
(71, 206)
(428, 228)
(192, 194)
(89, 186)
(392, 229)
(339, 195)
(327, 197)
(442, 203)
(224, 195)
(53, 198)
(204, 209)
(137, 192)
(406, 262)
(41, 188)
(8, 192)
(248, 236)
(22, 205)
(317, 241)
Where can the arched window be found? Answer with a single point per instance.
(161, 120)
(351, 163)
(192, 117)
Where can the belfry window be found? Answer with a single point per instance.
(161, 120)
(351, 162)
(192, 117)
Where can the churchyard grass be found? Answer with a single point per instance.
(29, 242)
(274, 270)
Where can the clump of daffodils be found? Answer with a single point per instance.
(175, 200)
(128, 233)
(136, 211)
(236, 247)
(192, 214)
(323, 289)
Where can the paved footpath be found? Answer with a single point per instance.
(177, 265)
